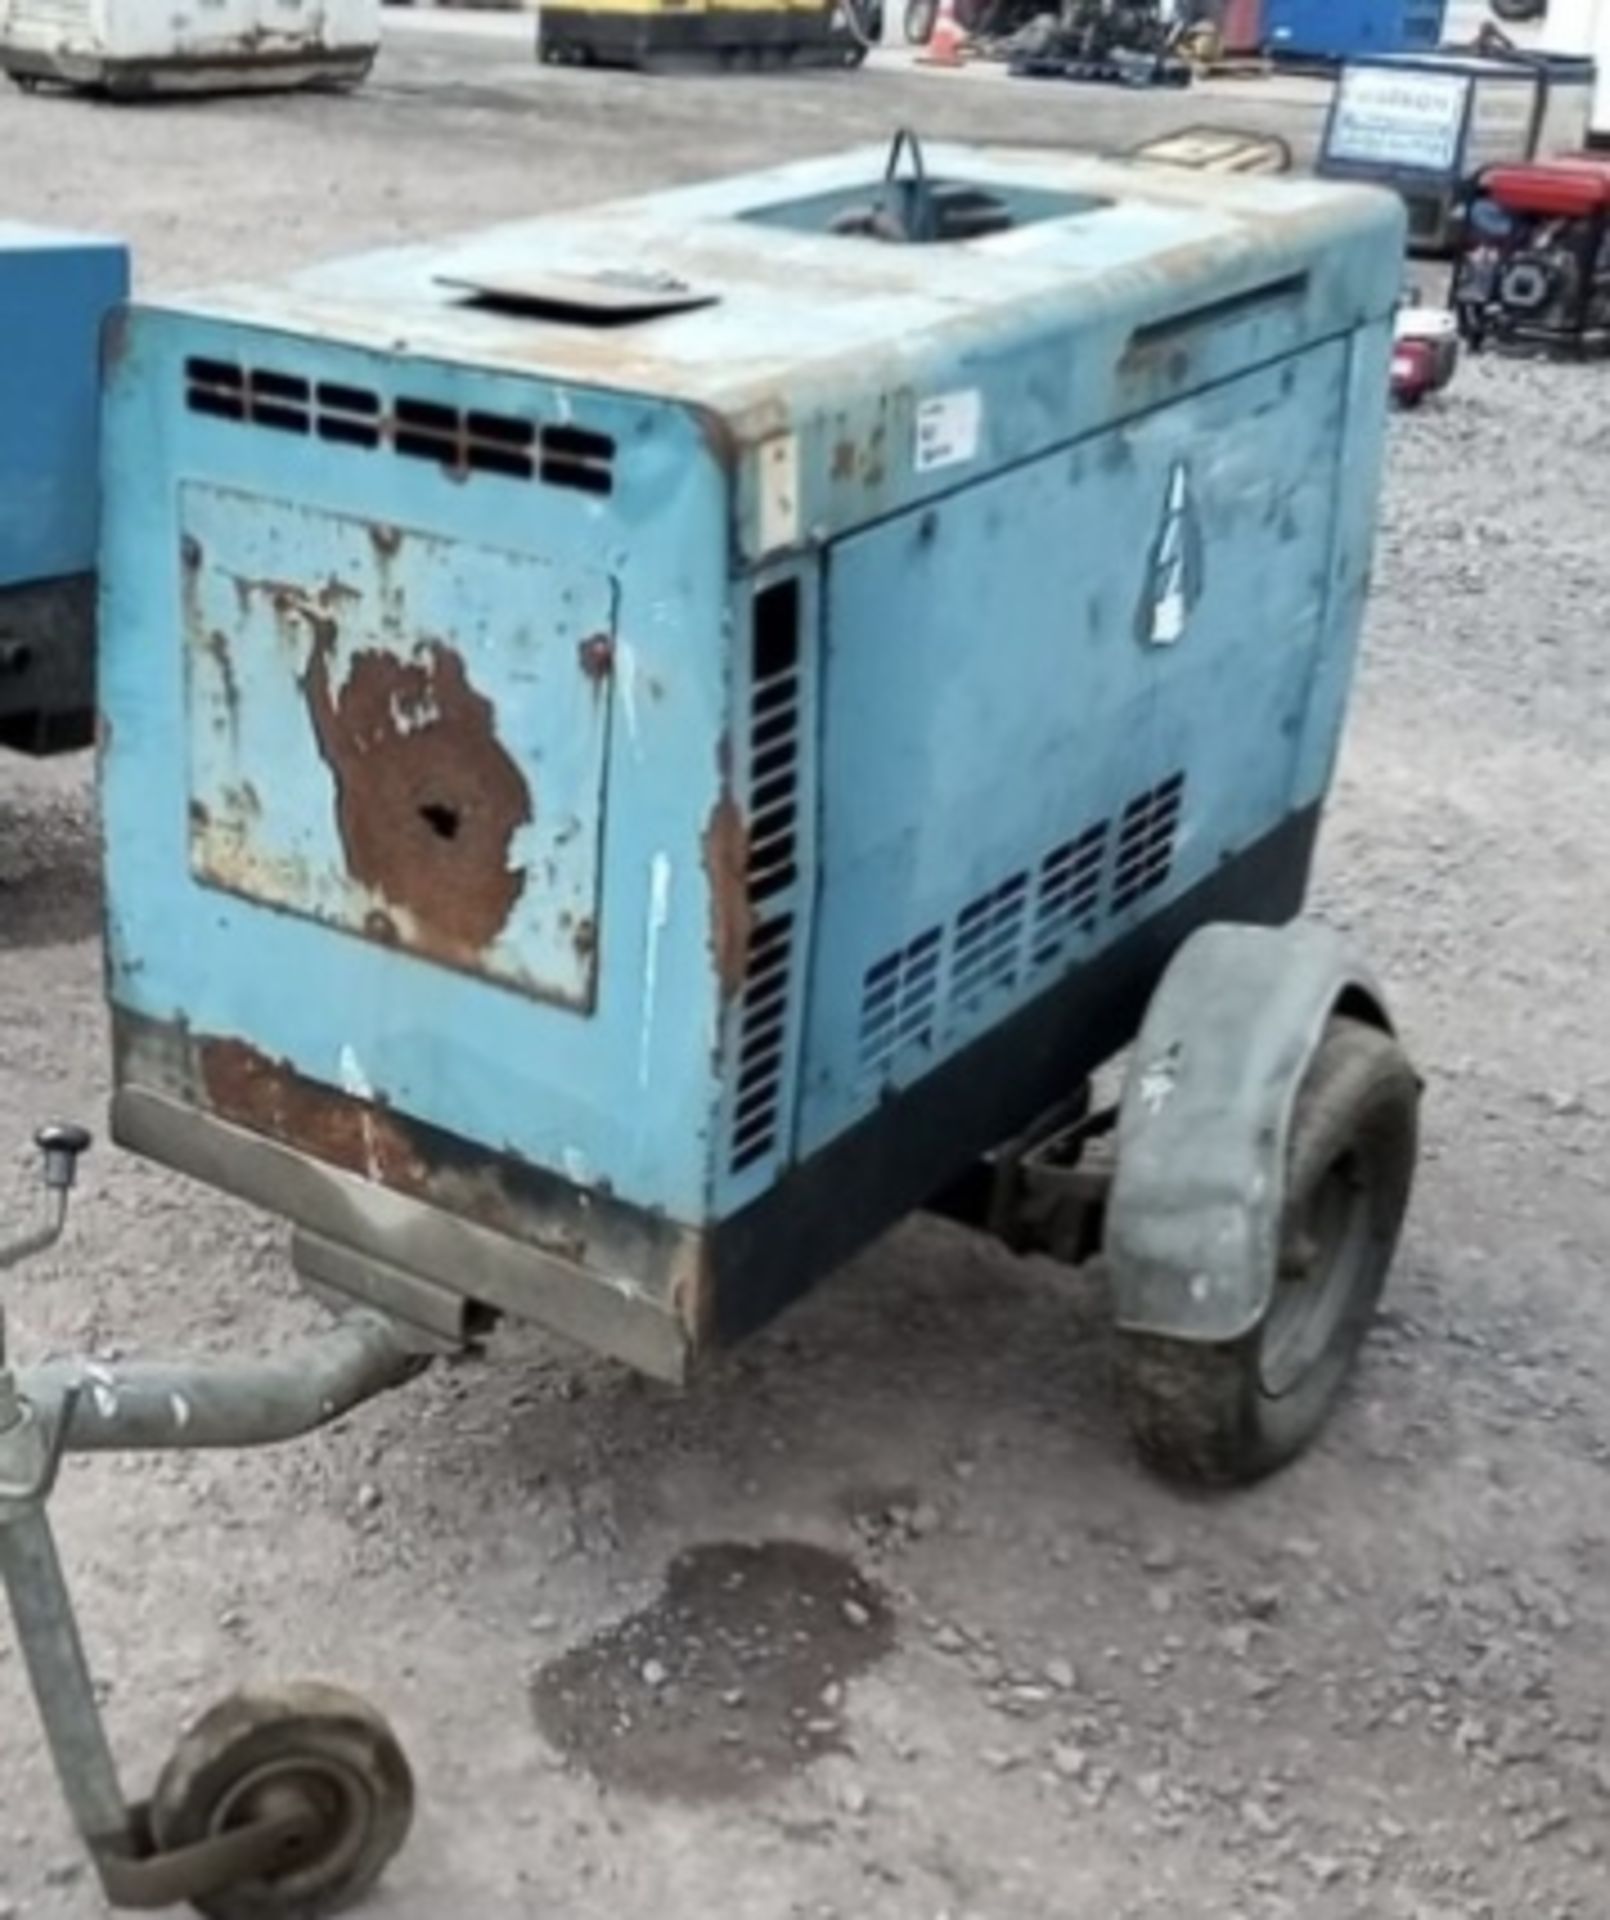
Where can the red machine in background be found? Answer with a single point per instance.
(1533, 268)
(1425, 353)
(1241, 26)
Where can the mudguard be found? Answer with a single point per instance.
(1193, 1219)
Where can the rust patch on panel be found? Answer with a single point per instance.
(626, 1258)
(862, 461)
(266, 1096)
(716, 431)
(1146, 358)
(243, 801)
(428, 800)
(217, 646)
(692, 1294)
(875, 469)
(732, 916)
(367, 1137)
(596, 655)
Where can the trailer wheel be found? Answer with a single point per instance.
(308, 1741)
(1233, 1412)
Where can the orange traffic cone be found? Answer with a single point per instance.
(947, 41)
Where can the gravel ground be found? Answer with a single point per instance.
(883, 1620)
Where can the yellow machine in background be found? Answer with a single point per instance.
(724, 33)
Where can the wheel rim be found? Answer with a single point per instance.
(340, 1801)
(1323, 1262)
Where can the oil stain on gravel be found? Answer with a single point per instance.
(734, 1676)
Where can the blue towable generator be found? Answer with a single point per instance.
(1339, 29)
(643, 746)
(56, 289)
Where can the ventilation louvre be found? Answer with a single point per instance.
(1068, 896)
(762, 1043)
(350, 416)
(1146, 837)
(1001, 939)
(577, 457)
(900, 999)
(461, 440)
(986, 953)
(774, 743)
(772, 775)
(464, 442)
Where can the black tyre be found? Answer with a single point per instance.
(1221, 1414)
(308, 1742)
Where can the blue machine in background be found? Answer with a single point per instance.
(55, 293)
(734, 698)
(1338, 29)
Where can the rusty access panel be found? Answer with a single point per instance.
(399, 735)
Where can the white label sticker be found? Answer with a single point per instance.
(947, 429)
(1174, 578)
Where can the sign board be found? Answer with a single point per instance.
(1405, 117)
